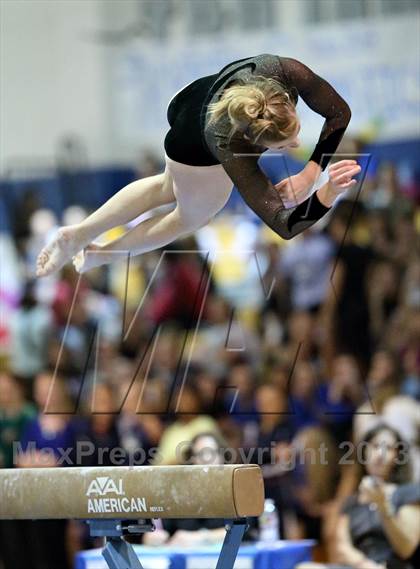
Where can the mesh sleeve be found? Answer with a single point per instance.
(322, 98)
(263, 198)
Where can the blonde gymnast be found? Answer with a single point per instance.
(220, 125)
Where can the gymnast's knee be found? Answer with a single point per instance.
(185, 222)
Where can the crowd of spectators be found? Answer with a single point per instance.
(130, 363)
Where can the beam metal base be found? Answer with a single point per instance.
(119, 554)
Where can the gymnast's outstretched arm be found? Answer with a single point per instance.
(263, 198)
(271, 203)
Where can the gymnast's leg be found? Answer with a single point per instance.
(198, 198)
(130, 202)
(146, 236)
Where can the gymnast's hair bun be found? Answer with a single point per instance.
(261, 109)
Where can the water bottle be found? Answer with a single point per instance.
(269, 523)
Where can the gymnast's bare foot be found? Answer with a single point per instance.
(90, 257)
(60, 250)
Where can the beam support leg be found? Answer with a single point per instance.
(229, 552)
(120, 555)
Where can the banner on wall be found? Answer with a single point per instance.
(373, 64)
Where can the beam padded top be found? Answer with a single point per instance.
(229, 491)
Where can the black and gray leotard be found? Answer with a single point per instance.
(193, 140)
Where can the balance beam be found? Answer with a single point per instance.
(117, 501)
(229, 491)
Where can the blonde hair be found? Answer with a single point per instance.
(261, 109)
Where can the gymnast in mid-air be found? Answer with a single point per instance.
(219, 126)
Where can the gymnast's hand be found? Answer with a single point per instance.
(295, 189)
(340, 179)
(341, 175)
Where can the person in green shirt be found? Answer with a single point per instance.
(15, 412)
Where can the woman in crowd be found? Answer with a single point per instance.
(378, 527)
(189, 422)
(205, 448)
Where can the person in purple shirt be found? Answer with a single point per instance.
(47, 441)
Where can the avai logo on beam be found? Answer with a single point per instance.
(103, 486)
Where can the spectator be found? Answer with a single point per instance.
(30, 331)
(15, 412)
(240, 397)
(301, 337)
(383, 389)
(52, 431)
(189, 422)
(205, 448)
(98, 432)
(383, 296)
(179, 294)
(346, 312)
(273, 449)
(340, 396)
(277, 304)
(222, 336)
(45, 442)
(378, 526)
(306, 262)
(140, 424)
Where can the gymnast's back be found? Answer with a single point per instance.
(196, 141)
(187, 139)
